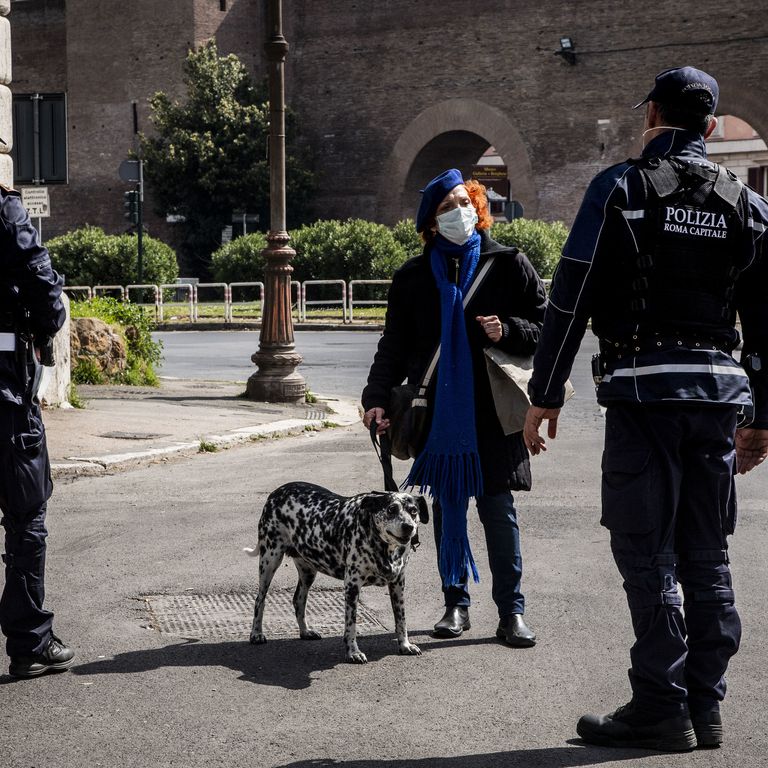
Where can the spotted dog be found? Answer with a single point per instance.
(364, 540)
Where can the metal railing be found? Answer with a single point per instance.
(298, 290)
(99, 290)
(75, 289)
(342, 302)
(259, 301)
(367, 302)
(144, 287)
(225, 303)
(177, 287)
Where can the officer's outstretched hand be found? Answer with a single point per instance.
(534, 442)
(751, 448)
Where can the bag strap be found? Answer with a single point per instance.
(476, 283)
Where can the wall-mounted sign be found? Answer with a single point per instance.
(36, 202)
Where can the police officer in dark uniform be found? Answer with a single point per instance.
(664, 252)
(31, 312)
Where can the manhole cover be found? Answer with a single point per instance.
(132, 435)
(231, 615)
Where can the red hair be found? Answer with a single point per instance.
(480, 200)
(476, 192)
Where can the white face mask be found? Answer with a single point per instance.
(458, 224)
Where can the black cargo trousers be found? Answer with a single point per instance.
(25, 487)
(669, 502)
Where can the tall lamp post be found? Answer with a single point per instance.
(276, 379)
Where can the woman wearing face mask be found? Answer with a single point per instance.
(466, 454)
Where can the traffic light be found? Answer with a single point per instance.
(131, 205)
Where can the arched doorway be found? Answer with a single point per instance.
(454, 133)
(737, 145)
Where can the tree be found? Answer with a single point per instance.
(209, 155)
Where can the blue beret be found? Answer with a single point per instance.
(433, 194)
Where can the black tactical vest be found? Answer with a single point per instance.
(693, 235)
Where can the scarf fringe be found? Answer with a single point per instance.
(456, 560)
(456, 476)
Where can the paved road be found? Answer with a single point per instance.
(335, 362)
(198, 695)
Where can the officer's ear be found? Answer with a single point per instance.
(711, 125)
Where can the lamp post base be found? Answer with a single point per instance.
(277, 380)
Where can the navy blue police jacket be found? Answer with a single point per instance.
(608, 227)
(28, 286)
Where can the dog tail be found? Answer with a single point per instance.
(251, 552)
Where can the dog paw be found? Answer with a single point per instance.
(257, 638)
(409, 649)
(358, 657)
(310, 634)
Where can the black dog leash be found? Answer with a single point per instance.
(383, 450)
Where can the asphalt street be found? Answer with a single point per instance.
(189, 690)
(334, 361)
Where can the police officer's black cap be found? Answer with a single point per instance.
(686, 88)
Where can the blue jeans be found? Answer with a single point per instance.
(502, 537)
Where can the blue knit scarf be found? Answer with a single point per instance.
(449, 465)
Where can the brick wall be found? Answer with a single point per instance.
(389, 94)
(362, 75)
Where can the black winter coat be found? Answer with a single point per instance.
(513, 291)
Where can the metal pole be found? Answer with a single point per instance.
(277, 379)
(140, 225)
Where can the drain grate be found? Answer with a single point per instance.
(231, 615)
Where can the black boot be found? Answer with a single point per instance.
(709, 728)
(55, 657)
(514, 631)
(455, 621)
(629, 727)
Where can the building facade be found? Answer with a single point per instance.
(387, 94)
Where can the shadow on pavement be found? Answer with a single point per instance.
(577, 754)
(289, 664)
(286, 663)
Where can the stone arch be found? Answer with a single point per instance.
(744, 101)
(479, 125)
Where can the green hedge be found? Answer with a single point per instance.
(541, 241)
(240, 261)
(362, 250)
(135, 325)
(89, 256)
(326, 250)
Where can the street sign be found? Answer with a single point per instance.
(129, 171)
(493, 177)
(36, 202)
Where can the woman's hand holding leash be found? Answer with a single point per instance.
(376, 414)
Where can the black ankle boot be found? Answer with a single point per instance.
(514, 631)
(455, 621)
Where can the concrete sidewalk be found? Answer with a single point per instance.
(123, 427)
